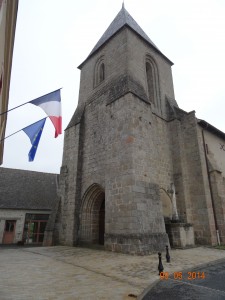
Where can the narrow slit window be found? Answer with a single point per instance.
(150, 82)
(101, 72)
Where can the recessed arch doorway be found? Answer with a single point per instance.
(92, 218)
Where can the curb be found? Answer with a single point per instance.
(152, 285)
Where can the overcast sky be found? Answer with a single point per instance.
(53, 37)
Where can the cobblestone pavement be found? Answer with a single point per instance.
(79, 273)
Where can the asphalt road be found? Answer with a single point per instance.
(205, 283)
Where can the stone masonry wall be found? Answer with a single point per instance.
(124, 152)
(218, 190)
(138, 50)
(122, 145)
(115, 61)
(126, 54)
(68, 186)
(180, 171)
(199, 205)
(129, 149)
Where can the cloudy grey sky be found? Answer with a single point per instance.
(53, 37)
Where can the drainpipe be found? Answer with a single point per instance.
(210, 187)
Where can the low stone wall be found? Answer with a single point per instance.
(180, 235)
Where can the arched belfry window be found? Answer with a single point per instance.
(152, 81)
(99, 73)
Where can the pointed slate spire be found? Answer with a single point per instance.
(122, 19)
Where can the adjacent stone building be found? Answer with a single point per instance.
(27, 200)
(137, 170)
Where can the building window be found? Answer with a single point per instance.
(152, 81)
(99, 74)
(34, 228)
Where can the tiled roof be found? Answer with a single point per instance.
(205, 125)
(21, 189)
(122, 19)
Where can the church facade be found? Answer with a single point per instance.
(138, 172)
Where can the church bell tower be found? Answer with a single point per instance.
(116, 149)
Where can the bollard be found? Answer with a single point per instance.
(160, 266)
(167, 254)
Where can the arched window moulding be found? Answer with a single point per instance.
(152, 81)
(99, 72)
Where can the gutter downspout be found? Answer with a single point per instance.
(210, 187)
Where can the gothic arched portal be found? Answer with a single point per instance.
(92, 218)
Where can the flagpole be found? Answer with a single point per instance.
(5, 112)
(10, 135)
(22, 129)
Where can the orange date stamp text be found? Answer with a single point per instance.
(182, 275)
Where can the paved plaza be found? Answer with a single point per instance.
(79, 273)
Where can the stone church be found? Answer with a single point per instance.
(138, 172)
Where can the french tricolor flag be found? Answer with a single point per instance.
(51, 104)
